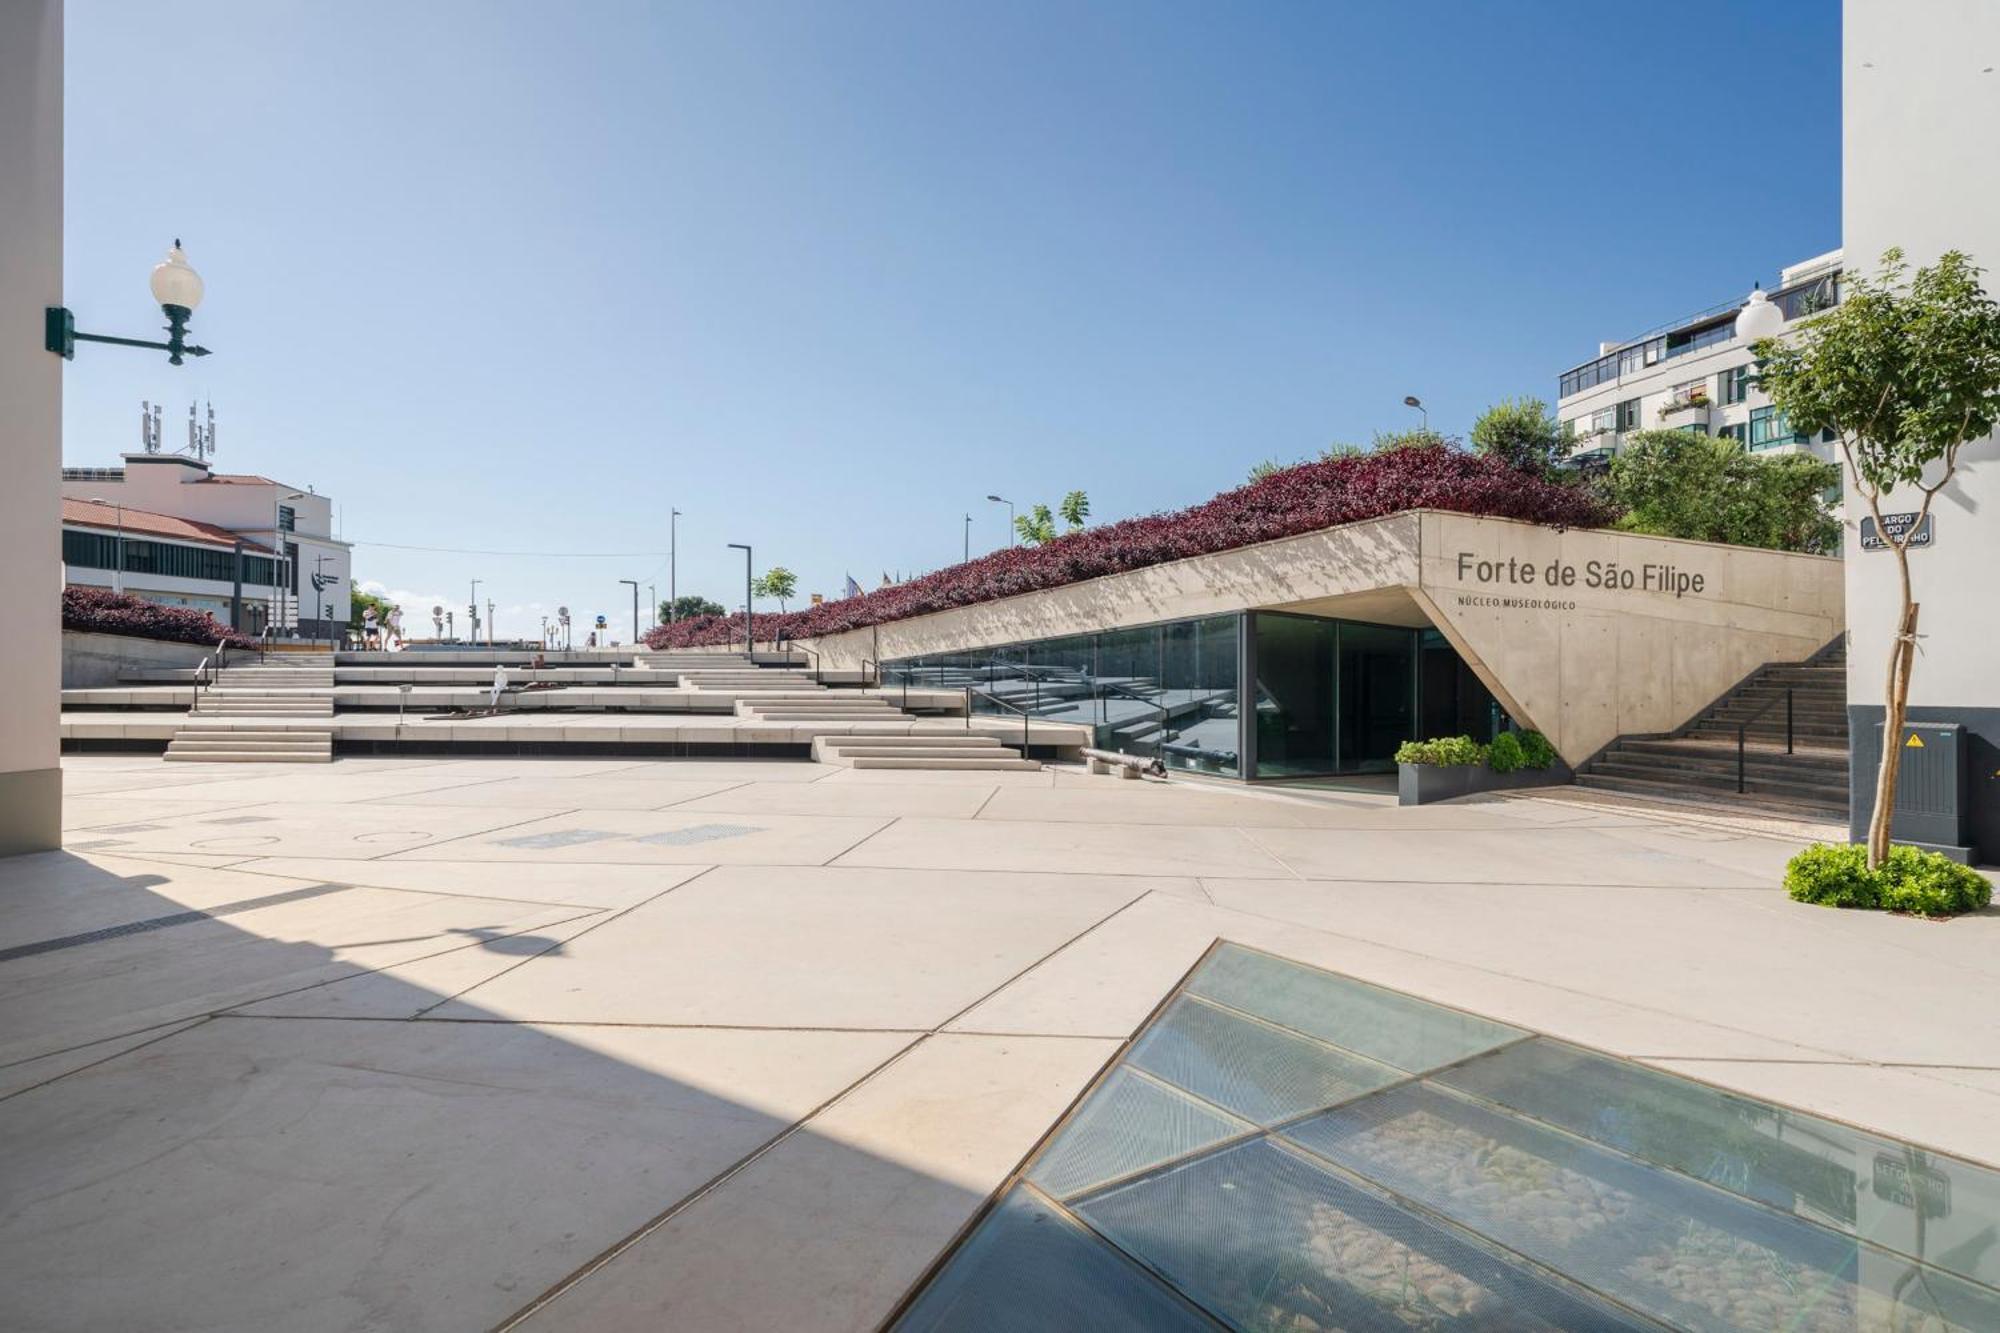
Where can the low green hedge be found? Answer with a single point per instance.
(1510, 750)
(1918, 882)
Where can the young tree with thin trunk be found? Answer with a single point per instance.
(1905, 373)
(779, 584)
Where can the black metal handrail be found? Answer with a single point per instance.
(1026, 716)
(868, 662)
(1743, 731)
(1166, 718)
(819, 677)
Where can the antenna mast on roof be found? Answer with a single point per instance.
(149, 427)
(201, 439)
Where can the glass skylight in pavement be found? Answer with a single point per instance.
(1283, 1148)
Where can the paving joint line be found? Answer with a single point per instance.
(476, 833)
(176, 1028)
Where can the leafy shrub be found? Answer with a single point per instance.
(1919, 882)
(1286, 503)
(1449, 752)
(102, 611)
(1505, 754)
(1536, 752)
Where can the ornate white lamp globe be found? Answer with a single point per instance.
(1759, 319)
(174, 282)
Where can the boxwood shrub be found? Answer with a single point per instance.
(1917, 882)
(1504, 755)
(1447, 752)
(1536, 752)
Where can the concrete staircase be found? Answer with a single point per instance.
(284, 685)
(936, 753)
(1698, 763)
(218, 745)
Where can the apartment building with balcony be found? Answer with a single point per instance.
(1694, 374)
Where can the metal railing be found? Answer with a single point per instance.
(1166, 717)
(819, 676)
(1026, 716)
(868, 662)
(1743, 731)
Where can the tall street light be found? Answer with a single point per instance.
(117, 570)
(653, 604)
(635, 607)
(1411, 400)
(673, 592)
(749, 649)
(1013, 537)
(176, 287)
(968, 537)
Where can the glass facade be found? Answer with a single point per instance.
(93, 550)
(1284, 1148)
(1322, 696)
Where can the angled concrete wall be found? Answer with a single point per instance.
(31, 200)
(1590, 635)
(1635, 634)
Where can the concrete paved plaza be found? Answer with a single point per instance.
(604, 1044)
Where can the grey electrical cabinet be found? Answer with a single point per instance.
(1931, 805)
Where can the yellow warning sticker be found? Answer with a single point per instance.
(1915, 742)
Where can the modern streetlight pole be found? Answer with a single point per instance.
(968, 536)
(489, 622)
(673, 591)
(1013, 537)
(749, 643)
(118, 569)
(635, 607)
(1411, 400)
(653, 604)
(472, 614)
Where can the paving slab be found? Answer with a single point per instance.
(110, 812)
(609, 791)
(1028, 845)
(284, 937)
(888, 800)
(809, 948)
(312, 829)
(1489, 856)
(896, 777)
(638, 837)
(858, 1201)
(22, 1075)
(263, 1174)
(326, 784)
(580, 883)
(1125, 803)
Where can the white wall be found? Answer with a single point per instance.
(1921, 135)
(31, 218)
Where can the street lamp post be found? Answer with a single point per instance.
(118, 568)
(968, 537)
(635, 607)
(673, 591)
(1411, 400)
(489, 622)
(1013, 537)
(653, 604)
(178, 289)
(749, 643)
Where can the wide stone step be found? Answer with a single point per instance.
(1801, 786)
(921, 740)
(246, 757)
(948, 763)
(1699, 754)
(1746, 803)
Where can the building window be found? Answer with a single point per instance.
(288, 520)
(1694, 427)
(1602, 421)
(1731, 385)
(1628, 414)
(1737, 433)
(1770, 430)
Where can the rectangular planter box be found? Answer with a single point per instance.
(1420, 784)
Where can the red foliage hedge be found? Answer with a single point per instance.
(1296, 500)
(102, 611)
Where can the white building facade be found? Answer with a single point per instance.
(314, 571)
(1693, 374)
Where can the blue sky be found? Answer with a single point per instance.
(516, 276)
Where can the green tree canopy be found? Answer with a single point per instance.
(689, 606)
(358, 604)
(1075, 508)
(777, 583)
(1677, 483)
(1522, 434)
(1037, 526)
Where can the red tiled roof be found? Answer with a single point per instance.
(143, 522)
